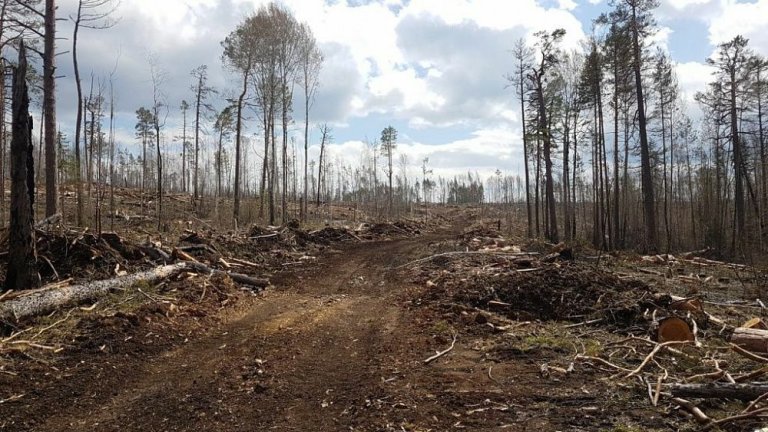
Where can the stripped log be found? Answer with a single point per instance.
(48, 300)
(45, 301)
(718, 390)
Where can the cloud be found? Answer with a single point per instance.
(746, 19)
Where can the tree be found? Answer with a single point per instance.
(158, 104)
(388, 146)
(240, 51)
(223, 125)
(144, 131)
(21, 273)
(539, 77)
(311, 63)
(732, 61)
(49, 111)
(184, 108)
(91, 14)
(522, 56)
(202, 91)
(425, 182)
(640, 22)
(325, 138)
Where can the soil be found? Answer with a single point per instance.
(335, 344)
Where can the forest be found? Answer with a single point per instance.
(228, 265)
(613, 156)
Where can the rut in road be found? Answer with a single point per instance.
(310, 356)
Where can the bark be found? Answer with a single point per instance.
(22, 273)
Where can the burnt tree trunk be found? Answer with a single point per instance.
(21, 243)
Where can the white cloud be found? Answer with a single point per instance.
(746, 19)
(692, 78)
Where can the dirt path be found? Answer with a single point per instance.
(311, 355)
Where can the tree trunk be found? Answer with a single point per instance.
(49, 96)
(551, 229)
(645, 153)
(199, 97)
(525, 153)
(238, 135)
(78, 125)
(159, 173)
(22, 259)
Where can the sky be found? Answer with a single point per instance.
(433, 69)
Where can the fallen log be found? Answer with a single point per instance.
(718, 390)
(751, 339)
(237, 277)
(45, 301)
(198, 247)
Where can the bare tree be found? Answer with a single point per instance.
(224, 127)
(158, 106)
(184, 108)
(91, 14)
(202, 91)
(325, 138)
(311, 62)
(240, 51)
(523, 55)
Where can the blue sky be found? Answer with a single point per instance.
(433, 69)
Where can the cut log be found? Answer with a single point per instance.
(237, 277)
(744, 392)
(43, 302)
(751, 339)
(674, 329)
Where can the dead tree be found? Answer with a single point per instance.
(21, 242)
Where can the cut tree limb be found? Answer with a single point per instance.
(442, 353)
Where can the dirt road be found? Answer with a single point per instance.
(315, 353)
